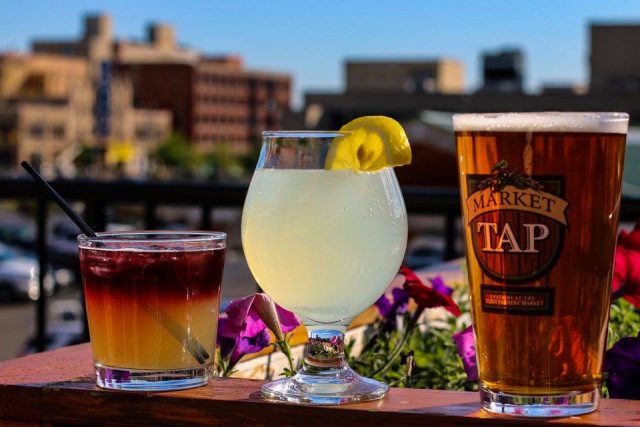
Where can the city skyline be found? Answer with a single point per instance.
(553, 36)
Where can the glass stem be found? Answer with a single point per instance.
(324, 351)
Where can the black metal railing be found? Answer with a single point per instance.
(98, 195)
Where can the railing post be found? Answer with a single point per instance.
(95, 215)
(150, 215)
(205, 220)
(450, 237)
(41, 303)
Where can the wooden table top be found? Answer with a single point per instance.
(58, 387)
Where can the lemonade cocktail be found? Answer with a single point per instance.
(324, 231)
(324, 244)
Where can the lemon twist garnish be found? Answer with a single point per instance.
(370, 144)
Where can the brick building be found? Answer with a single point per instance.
(214, 100)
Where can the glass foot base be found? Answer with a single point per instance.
(566, 405)
(334, 387)
(149, 380)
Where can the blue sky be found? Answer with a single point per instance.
(310, 39)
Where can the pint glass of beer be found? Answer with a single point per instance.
(540, 198)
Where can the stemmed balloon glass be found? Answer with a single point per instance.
(324, 244)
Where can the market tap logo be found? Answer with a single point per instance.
(516, 222)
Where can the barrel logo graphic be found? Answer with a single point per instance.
(516, 222)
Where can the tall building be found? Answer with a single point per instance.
(94, 44)
(39, 75)
(234, 104)
(614, 58)
(435, 76)
(64, 97)
(503, 71)
(213, 100)
(97, 43)
(48, 113)
(46, 105)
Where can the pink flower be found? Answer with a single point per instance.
(626, 271)
(234, 348)
(242, 329)
(466, 344)
(630, 240)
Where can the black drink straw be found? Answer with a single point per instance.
(73, 215)
(193, 346)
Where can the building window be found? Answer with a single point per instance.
(142, 133)
(58, 132)
(36, 131)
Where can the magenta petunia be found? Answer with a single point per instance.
(234, 348)
(626, 271)
(626, 275)
(288, 320)
(242, 329)
(466, 344)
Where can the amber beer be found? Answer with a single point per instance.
(540, 200)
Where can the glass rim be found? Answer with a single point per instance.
(552, 121)
(303, 134)
(618, 115)
(165, 237)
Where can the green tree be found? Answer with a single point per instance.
(88, 158)
(178, 156)
(250, 159)
(222, 162)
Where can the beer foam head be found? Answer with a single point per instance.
(543, 122)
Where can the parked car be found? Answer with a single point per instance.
(423, 256)
(19, 273)
(62, 241)
(65, 326)
(16, 230)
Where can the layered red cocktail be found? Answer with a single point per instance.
(152, 304)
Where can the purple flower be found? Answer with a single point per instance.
(235, 348)
(276, 318)
(622, 364)
(384, 305)
(389, 308)
(438, 284)
(337, 340)
(243, 328)
(467, 351)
